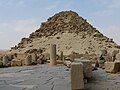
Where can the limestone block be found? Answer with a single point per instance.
(87, 67)
(21, 55)
(53, 54)
(23, 62)
(96, 64)
(118, 56)
(103, 52)
(61, 55)
(5, 60)
(16, 62)
(39, 61)
(28, 60)
(1, 63)
(47, 56)
(86, 56)
(77, 78)
(112, 67)
(59, 62)
(114, 53)
(34, 58)
(68, 63)
(107, 57)
(10, 56)
(101, 65)
(75, 55)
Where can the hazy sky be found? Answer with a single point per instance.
(18, 18)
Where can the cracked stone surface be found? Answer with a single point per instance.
(40, 77)
(104, 81)
(44, 77)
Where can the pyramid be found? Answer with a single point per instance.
(70, 32)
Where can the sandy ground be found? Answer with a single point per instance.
(44, 77)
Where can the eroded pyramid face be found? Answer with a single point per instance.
(70, 32)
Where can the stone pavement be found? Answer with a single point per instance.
(104, 81)
(44, 77)
(39, 77)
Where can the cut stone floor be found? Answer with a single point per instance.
(44, 77)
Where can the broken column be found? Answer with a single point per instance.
(28, 60)
(5, 60)
(77, 82)
(53, 54)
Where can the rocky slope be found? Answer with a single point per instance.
(70, 32)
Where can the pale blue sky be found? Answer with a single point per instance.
(18, 18)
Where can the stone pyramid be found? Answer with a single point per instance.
(70, 32)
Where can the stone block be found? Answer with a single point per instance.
(75, 55)
(103, 52)
(61, 55)
(23, 62)
(28, 60)
(10, 56)
(16, 62)
(39, 61)
(86, 56)
(47, 56)
(34, 57)
(112, 67)
(107, 58)
(87, 67)
(118, 56)
(5, 60)
(1, 63)
(59, 62)
(114, 53)
(77, 78)
(21, 55)
(68, 63)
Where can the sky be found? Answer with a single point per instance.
(18, 18)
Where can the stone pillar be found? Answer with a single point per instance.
(28, 60)
(61, 55)
(53, 54)
(77, 78)
(5, 60)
